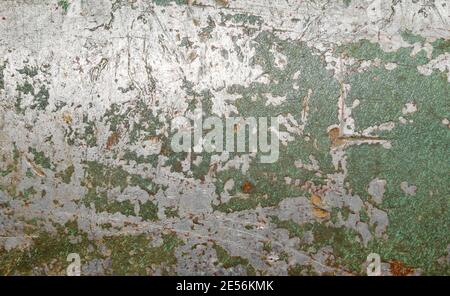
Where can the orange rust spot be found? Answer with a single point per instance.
(318, 210)
(236, 127)
(335, 138)
(321, 213)
(67, 118)
(113, 139)
(316, 200)
(222, 2)
(397, 268)
(153, 139)
(247, 187)
(37, 170)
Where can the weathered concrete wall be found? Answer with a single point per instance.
(88, 91)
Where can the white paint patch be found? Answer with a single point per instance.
(390, 66)
(379, 219)
(408, 189)
(441, 63)
(376, 189)
(274, 100)
(313, 166)
(446, 122)
(409, 108)
(280, 59)
(386, 126)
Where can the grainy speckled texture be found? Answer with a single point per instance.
(88, 90)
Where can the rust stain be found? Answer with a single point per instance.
(236, 128)
(37, 170)
(316, 200)
(67, 118)
(321, 213)
(398, 268)
(153, 139)
(334, 135)
(113, 139)
(318, 210)
(337, 139)
(247, 187)
(222, 2)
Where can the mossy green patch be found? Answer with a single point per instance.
(347, 3)
(228, 261)
(41, 97)
(124, 207)
(29, 71)
(41, 159)
(99, 178)
(242, 19)
(418, 224)
(137, 123)
(301, 270)
(440, 46)
(64, 4)
(99, 199)
(47, 253)
(100, 175)
(134, 255)
(171, 212)
(11, 163)
(294, 229)
(412, 38)
(366, 50)
(383, 94)
(302, 81)
(347, 249)
(90, 132)
(66, 175)
(149, 211)
(30, 191)
(130, 254)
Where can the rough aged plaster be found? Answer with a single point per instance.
(89, 88)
